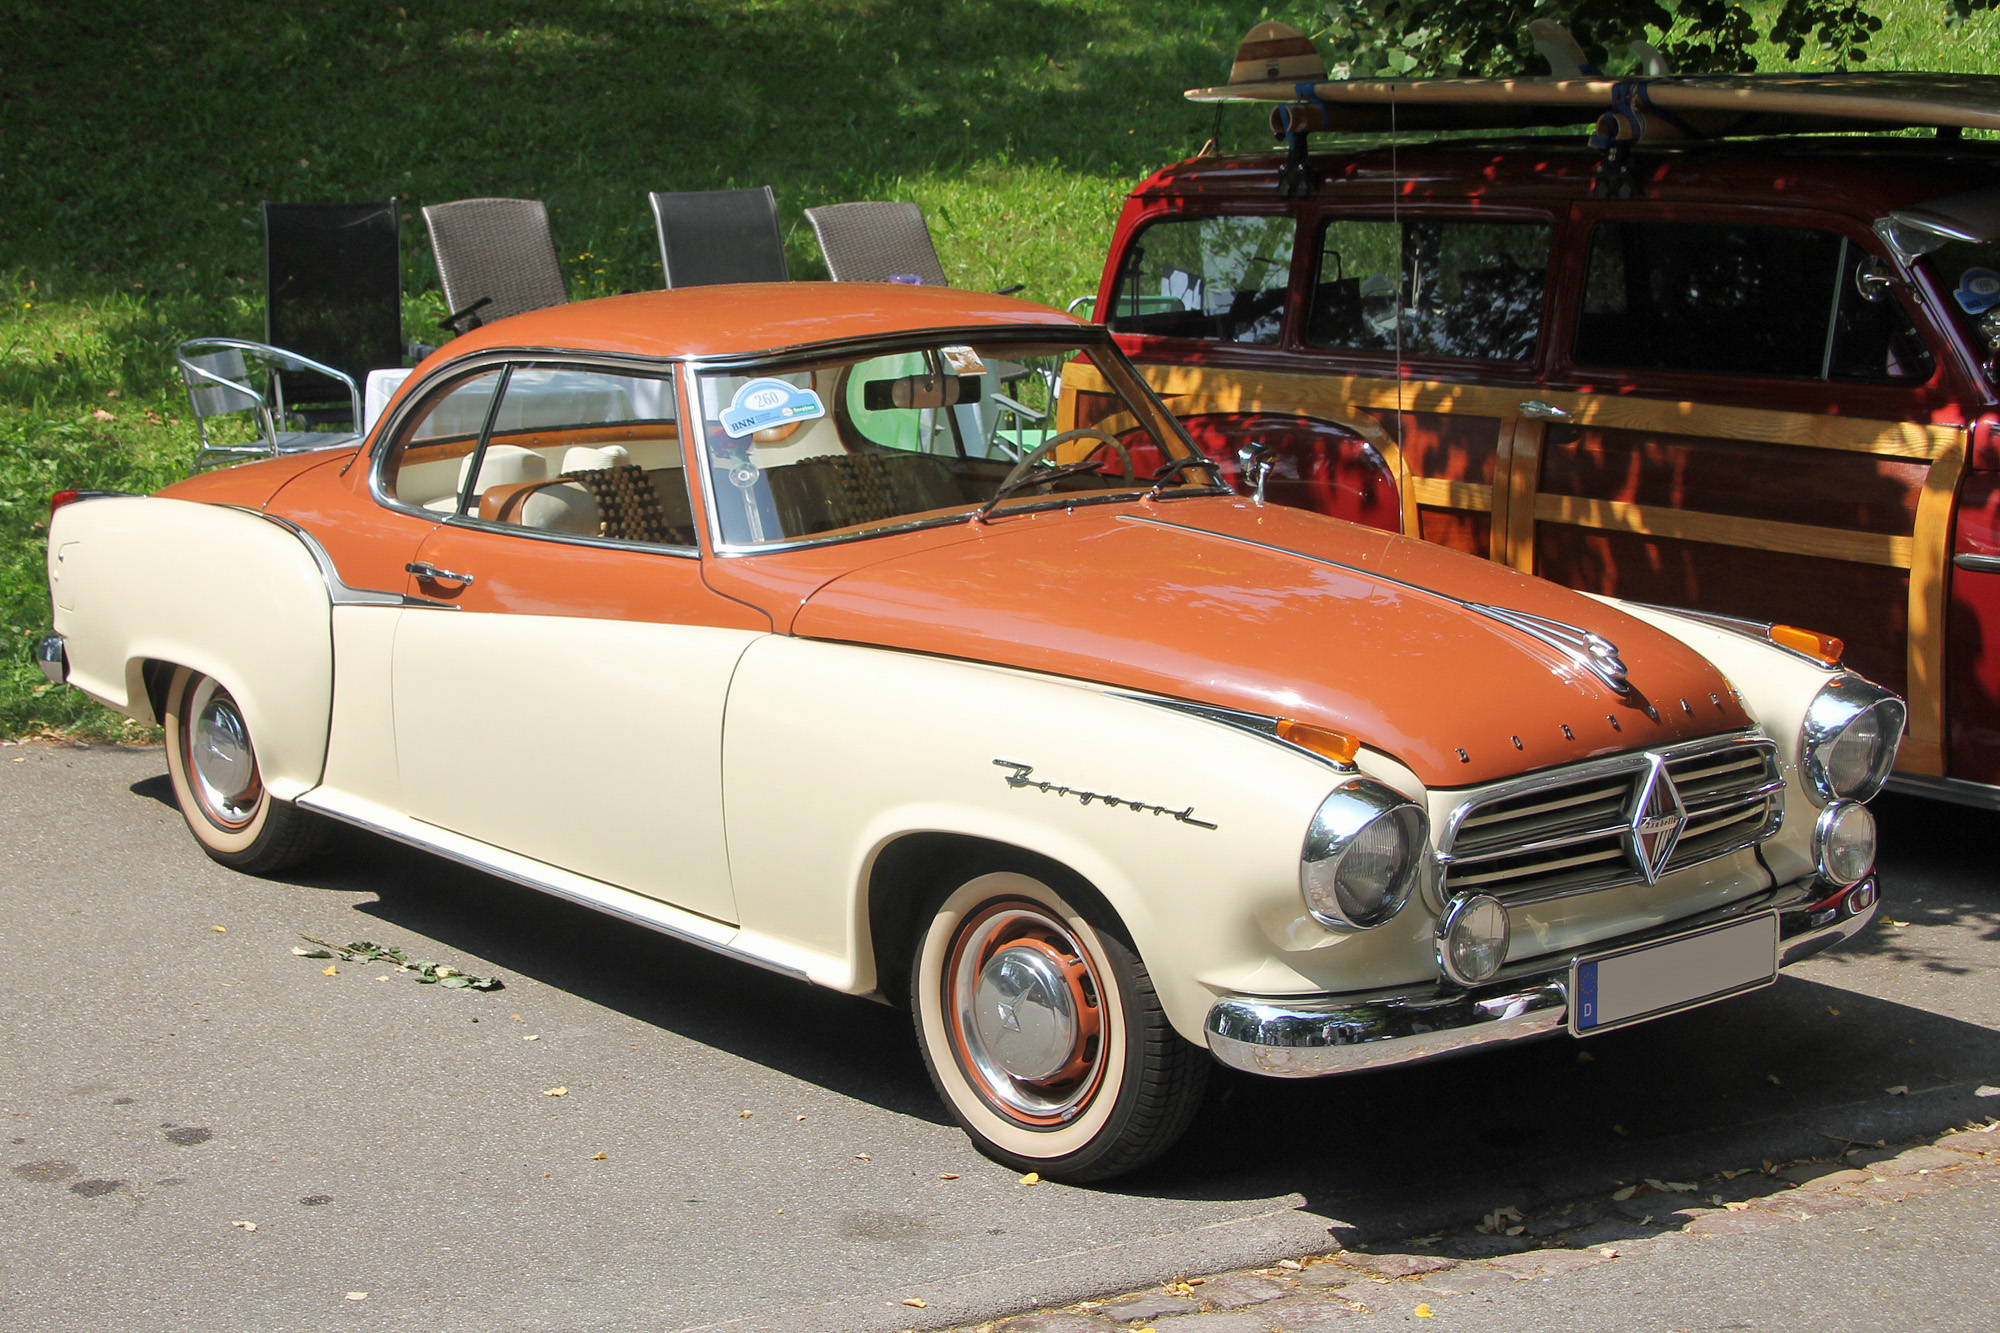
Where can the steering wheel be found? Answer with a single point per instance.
(1042, 450)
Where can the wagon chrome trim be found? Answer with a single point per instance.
(1311, 1036)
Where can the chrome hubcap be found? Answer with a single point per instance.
(1024, 1014)
(220, 760)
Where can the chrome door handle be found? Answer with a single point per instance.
(430, 573)
(1542, 411)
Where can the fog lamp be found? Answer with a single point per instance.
(1860, 898)
(1844, 842)
(1472, 938)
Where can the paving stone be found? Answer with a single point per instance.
(1056, 1321)
(1397, 1265)
(1324, 1276)
(1822, 1175)
(1735, 1224)
(1547, 1263)
(1230, 1321)
(1303, 1314)
(1473, 1245)
(1972, 1141)
(1461, 1281)
(1233, 1291)
(1148, 1305)
(1895, 1190)
(1817, 1203)
(1912, 1160)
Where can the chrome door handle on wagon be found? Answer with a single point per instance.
(1542, 411)
(429, 573)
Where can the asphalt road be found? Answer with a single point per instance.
(162, 1082)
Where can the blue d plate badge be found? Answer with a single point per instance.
(764, 403)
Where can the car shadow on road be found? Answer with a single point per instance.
(1797, 1070)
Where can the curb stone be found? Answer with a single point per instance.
(1313, 1291)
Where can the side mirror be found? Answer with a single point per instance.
(1255, 460)
(1872, 279)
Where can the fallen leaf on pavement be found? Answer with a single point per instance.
(863, 1157)
(1831, 1010)
(555, 1092)
(601, 1157)
(1900, 1090)
(1736, 1206)
(1424, 1312)
(1986, 1090)
(1772, 1079)
(743, 1115)
(220, 930)
(949, 1175)
(917, 1301)
(532, 1036)
(1607, 1251)
(329, 971)
(1499, 1220)
(1292, 1264)
(1032, 1178)
(357, 1295)
(247, 1226)
(1620, 1196)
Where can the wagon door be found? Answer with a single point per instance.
(1736, 425)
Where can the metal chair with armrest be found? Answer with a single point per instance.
(220, 384)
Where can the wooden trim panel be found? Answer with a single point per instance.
(1723, 530)
(1442, 494)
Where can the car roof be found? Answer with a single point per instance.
(1860, 175)
(736, 319)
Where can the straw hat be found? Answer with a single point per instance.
(1276, 51)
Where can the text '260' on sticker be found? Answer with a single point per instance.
(763, 403)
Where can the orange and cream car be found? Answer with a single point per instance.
(783, 620)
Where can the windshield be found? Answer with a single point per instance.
(927, 432)
(1970, 272)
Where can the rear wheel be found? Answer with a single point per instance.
(212, 764)
(1041, 1030)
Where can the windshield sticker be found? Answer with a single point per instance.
(1978, 291)
(764, 403)
(962, 361)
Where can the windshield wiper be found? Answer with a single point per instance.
(1038, 478)
(1174, 469)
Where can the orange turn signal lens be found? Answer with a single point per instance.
(1812, 643)
(1335, 745)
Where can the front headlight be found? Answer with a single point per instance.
(1849, 739)
(1362, 856)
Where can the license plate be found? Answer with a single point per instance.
(1649, 980)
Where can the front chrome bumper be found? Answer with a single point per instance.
(1312, 1036)
(52, 659)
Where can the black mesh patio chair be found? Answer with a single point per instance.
(496, 257)
(333, 294)
(711, 236)
(222, 379)
(876, 241)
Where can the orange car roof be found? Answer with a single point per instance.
(751, 317)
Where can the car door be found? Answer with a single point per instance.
(1735, 424)
(570, 710)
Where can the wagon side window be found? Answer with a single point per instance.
(1430, 287)
(1222, 279)
(1779, 302)
(584, 453)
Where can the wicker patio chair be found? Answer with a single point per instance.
(712, 236)
(875, 241)
(496, 257)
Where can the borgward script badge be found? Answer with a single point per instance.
(1656, 821)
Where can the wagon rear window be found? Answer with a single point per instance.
(1734, 300)
(1223, 279)
(1430, 287)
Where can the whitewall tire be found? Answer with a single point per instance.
(212, 764)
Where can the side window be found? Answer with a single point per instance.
(432, 449)
(1779, 302)
(1469, 289)
(1223, 279)
(572, 451)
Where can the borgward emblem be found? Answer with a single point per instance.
(1656, 821)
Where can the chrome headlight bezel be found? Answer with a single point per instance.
(1348, 812)
(1840, 704)
(1823, 830)
(1458, 915)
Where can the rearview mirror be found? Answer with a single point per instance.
(920, 391)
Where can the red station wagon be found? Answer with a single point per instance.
(1752, 377)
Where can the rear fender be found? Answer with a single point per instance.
(222, 591)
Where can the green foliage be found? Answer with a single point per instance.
(428, 973)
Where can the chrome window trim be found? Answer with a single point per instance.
(1598, 770)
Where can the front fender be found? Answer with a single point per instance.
(216, 589)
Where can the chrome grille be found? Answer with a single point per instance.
(1569, 830)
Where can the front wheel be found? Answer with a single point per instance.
(1042, 1033)
(213, 767)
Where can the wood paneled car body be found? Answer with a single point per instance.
(1747, 376)
(782, 620)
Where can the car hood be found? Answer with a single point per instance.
(1286, 614)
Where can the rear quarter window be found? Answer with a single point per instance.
(1221, 279)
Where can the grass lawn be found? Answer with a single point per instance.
(137, 139)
